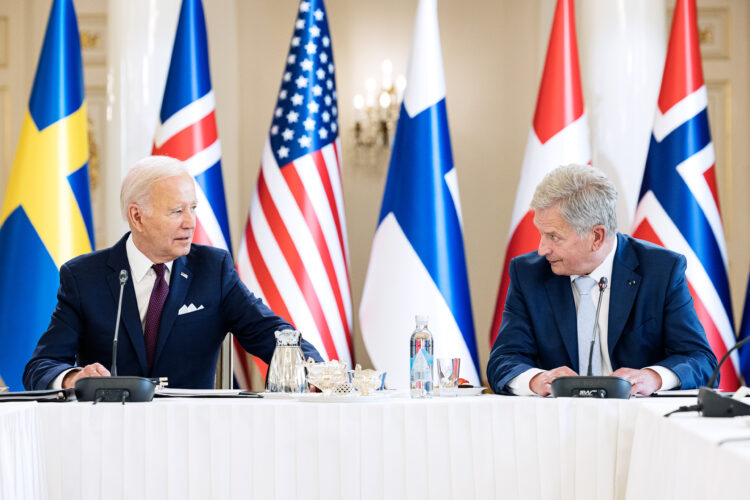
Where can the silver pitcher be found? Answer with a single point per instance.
(286, 373)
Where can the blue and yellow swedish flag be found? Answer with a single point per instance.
(46, 216)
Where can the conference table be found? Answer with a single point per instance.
(485, 446)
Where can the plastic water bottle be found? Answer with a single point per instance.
(421, 359)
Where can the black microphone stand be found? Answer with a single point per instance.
(591, 386)
(713, 404)
(115, 389)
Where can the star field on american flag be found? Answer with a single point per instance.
(306, 114)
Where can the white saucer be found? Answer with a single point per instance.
(318, 397)
(462, 392)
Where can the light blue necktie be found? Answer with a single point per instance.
(585, 319)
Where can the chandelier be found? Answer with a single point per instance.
(376, 112)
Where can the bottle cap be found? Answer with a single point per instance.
(421, 318)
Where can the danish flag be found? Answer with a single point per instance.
(559, 136)
(678, 205)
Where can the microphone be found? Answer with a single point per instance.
(713, 404)
(592, 386)
(123, 280)
(602, 287)
(114, 388)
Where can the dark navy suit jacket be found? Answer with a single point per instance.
(652, 320)
(82, 326)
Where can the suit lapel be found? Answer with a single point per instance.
(560, 296)
(623, 290)
(130, 319)
(178, 287)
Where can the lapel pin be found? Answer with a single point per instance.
(184, 275)
(631, 282)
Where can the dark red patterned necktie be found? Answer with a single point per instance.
(153, 314)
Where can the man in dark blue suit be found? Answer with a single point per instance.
(648, 334)
(179, 302)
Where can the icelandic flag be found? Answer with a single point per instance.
(417, 264)
(46, 217)
(744, 333)
(187, 125)
(679, 202)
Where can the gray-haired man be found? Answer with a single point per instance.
(649, 332)
(178, 304)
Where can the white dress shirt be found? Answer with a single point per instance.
(143, 277)
(520, 385)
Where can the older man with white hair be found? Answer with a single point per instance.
(179, 302)
(648, 331)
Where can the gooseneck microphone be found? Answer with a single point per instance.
(114, 388)
(602, 287)
(715, 374)
(123, 280)
(713, 404)
(592, 386)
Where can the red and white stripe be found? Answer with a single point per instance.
(190, 135)
(294, 251)
(559, 136)
(654, 224)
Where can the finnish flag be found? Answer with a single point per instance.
(417, 263)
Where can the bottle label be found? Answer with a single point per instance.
(423, 359)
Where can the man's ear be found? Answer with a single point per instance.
(599, 234)
(135, 217)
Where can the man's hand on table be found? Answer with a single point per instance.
(540, 383)
(644, 381)
(93, 370)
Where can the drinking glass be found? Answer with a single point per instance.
(448, 369)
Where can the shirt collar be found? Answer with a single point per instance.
(139, 263)
(604, 270)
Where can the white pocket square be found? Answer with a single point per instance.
(188, 309)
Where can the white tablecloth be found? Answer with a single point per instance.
(681, 456)
(480, 447)
(21, 464)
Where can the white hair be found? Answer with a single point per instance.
(584, 196)
(136, 186)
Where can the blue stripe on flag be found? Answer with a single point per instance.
(661, 177)
(79, 184)
(189, 77)
(27, 294)
(420, 200)
(58, 84)
(744, 333)
(212, 184)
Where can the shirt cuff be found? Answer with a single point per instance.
(520, 385)
(57, 383)
(669, 380)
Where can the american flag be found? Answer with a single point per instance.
(679, 202)
(559, 136)
(187, 124)
(294, 253)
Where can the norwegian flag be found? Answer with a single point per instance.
(559, 136)
(187, 124)
(294, 251)
(743, 334)
(679, 202)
